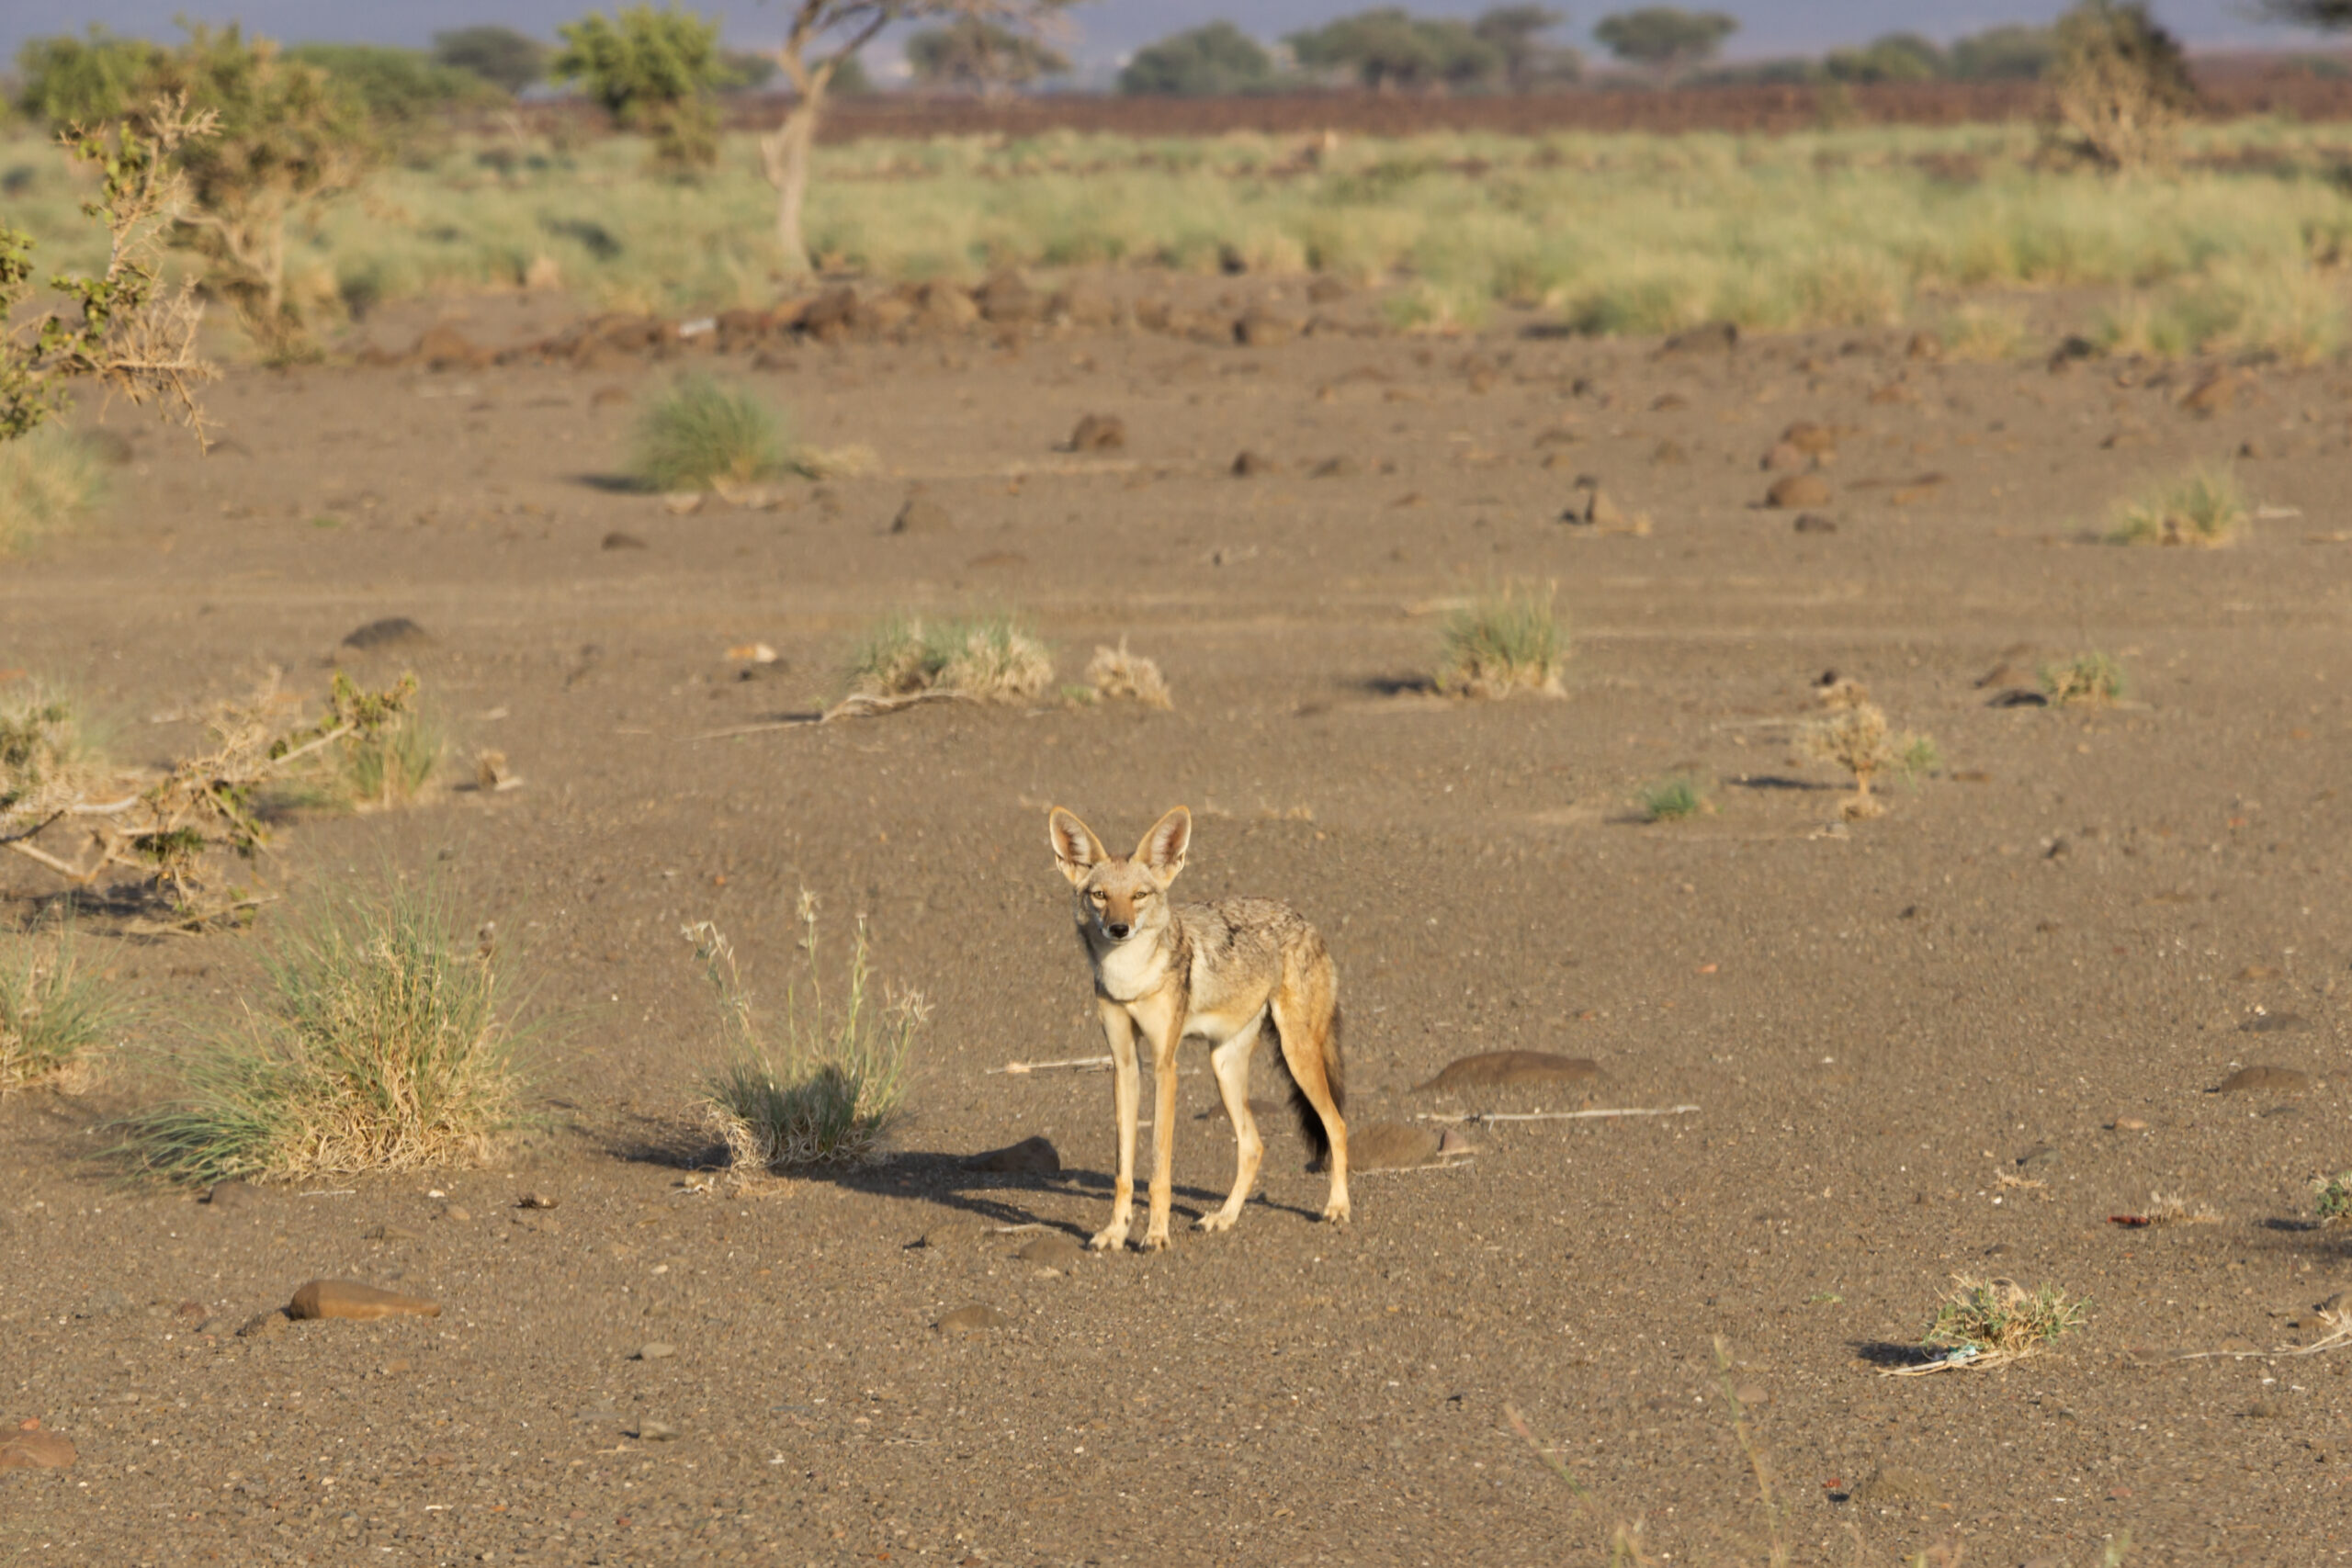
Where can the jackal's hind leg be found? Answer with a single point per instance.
(1230, 1062)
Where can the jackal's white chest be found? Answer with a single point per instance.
(1131, 970)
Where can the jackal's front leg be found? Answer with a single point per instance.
(1126, 1088)
(1165, 1034)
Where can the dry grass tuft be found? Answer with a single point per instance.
(826, 1088)
(54, 1019)
(1506, 642)
(2093, 678)
(2168, 1209)
(987, 659)
(2204, 508)
(1986, 334)
(382, 1045)
(1856, 737)
(1988, 1323)
(1114, 674)
(47, 479)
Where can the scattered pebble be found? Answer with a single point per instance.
(392, 1232)
(1250, 465)
(1798, 491)
(30, 1448)
(1814, 522)
(2265, 1077)
(393, 632)
(231, 1195)
(655, 1432)
(459, 1212)
(1391, 1145)
(2129, 1124)
(1030, 1157)
(1099, 433)
(1053, 1250)
(921, 514)
(537, 1201)
(655, 1350)
(969, 1320)
(2275, 1023)
(620, 540)
(1495, 1069)
(349, 1299)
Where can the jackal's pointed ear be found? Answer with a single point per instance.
(1163, 847)
(1076, 849)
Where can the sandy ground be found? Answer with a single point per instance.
(2037, 965)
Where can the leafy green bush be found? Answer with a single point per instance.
(654, 71)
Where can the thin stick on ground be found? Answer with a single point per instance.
(1493, 1116)
(1048, 1067)
(2336, 1319)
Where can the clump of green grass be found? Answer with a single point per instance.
(392, 764)
(1987, 1323)
(2204, 507)
(990, 659)
(47, 479)
(699, 434)
(1673, 798)
(2332, 1196)
(55, 1017)
(1509, 641)
(383, 1043)
(2088, 677)
(825, 1085)
(1916, 755)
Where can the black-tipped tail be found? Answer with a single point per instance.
(1311, 1124)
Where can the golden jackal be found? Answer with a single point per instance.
(1217, 971)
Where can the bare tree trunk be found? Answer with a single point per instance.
(784, 154)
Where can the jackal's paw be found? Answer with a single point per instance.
(1337, 1212)
(1109, 1239)
(1219, 1221)
(1156, 1241)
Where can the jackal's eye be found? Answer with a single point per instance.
(1099, 897)
(1143, 895)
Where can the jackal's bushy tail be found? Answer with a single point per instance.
(1310, 1124)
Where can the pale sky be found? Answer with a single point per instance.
(1108, 30)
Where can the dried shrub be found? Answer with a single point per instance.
(210, 803)
(989, 658)
(824, 1085)
(383, 1044)
(1510, 641)
(2169, 1209)
(1855, 735)
(1114, 674)
(121, 327)
(2119, 88)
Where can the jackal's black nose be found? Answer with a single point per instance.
(1118, 929)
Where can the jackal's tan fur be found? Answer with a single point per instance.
(1219, 972)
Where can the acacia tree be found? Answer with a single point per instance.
(1666, 38)
(286, 137)
(654, 71)
(819, 45)
(985, 57)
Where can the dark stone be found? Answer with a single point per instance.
(2018, 697)
(617, 540)
(969, 1320)
(2269, 1079)
(1030, 1157)
(392, 632)
(1099, 433)
(1391, 1145)
(1503, 1069)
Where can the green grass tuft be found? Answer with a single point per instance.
(2204, 507)
(700, 434)
(824, 1088)
(55, 1019)
(1672, 799)
(47, 480)
(1986, 1322)
(381, 1045)
(2088, 677)
(1506, 642)
(2333, 1196)
(986, 658)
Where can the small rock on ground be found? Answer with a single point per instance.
(348, 1298)
(1053, 1250)
(1030, 1157)
(32, 1448)
(1498, 1069)
(1798, 491)
(1391, 1145)
(655, 1432)
(656, 1350)
(619, 540)
(921, 514)
(231, 1195)
(1099, 433)
(973, 1319)
(2269, 1079)
(393, 631)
